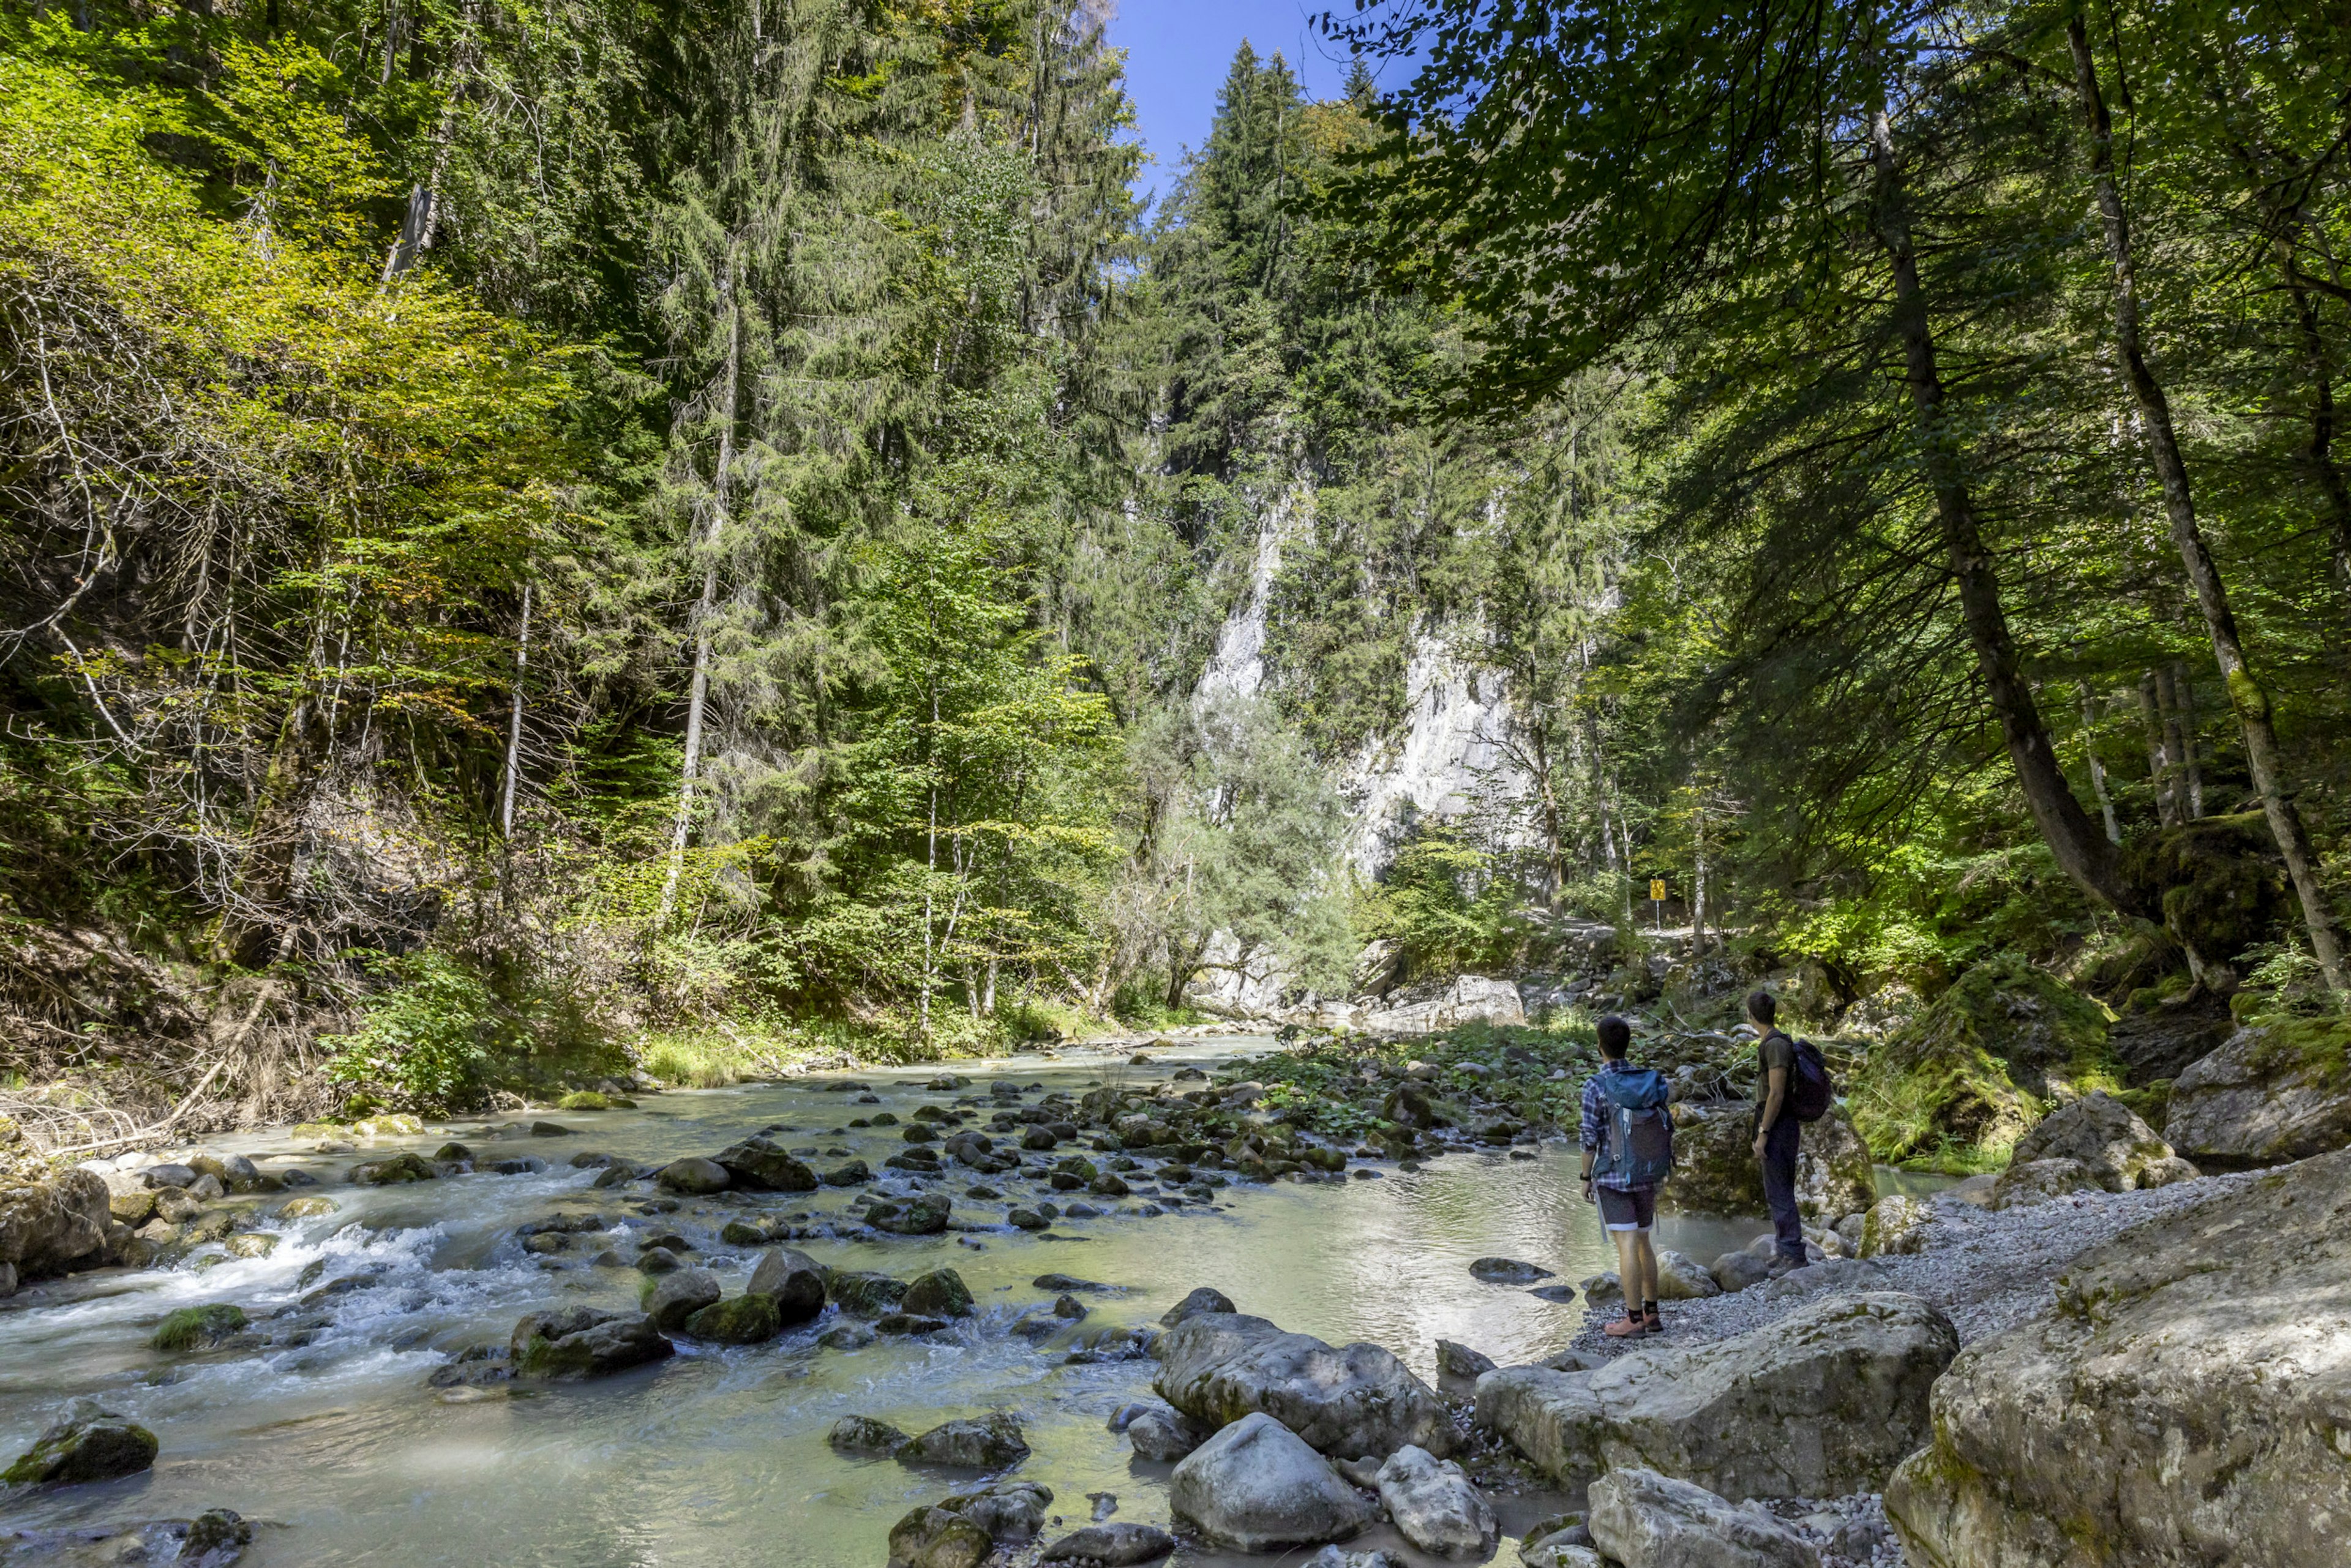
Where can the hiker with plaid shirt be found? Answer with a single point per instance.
(1627, 1137)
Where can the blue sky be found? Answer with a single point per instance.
(1178, 52)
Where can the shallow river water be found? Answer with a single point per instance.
(718, 1456)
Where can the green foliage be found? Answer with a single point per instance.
(429, 1039)
(1443, 901)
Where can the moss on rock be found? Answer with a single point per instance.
(197, 1328)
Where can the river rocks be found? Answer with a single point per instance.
(2123, 1152)
(1827, 1275)
(2182, 1403)
(1162, 1437)
(1716, 1171)
(198, 1328)
(85, 1443)
(1434, 1505)
(923, 1216)
(394, 1170)
(1737, 1270)
(793, 1280)
(1507, 1271)
(1894, 1226)
(932, 1536)
(2273, 1092)
(693, 1177)
(941, 1293)
(582, 1341)
(50, 1226)
(865, 1293)
(2038, 1181)
(1459, 1363)
(1644, 1520)
(864, 1435)
(988, 1443)
(1112, 1546)
(1851, 1373)
(1011, 1512)
(758, 1166)
(1256, 1486)
(738, 1319)
(1681, 1278)
(1203, 1300)
(1360, 1399)
(672, 1297)
(216, 1538)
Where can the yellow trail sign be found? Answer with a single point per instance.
(1657, 890)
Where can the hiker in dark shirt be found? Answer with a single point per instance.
(1776, 1130)
(1627, 1137)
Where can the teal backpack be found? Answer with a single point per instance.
(1640, 1141)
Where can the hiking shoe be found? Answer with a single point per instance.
(1624, 1328)
(1653, 1321)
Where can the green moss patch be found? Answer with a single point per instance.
(198, 1328)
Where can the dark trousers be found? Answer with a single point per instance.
(1780, 1186)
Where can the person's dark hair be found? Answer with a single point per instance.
(1762, 1007)
(1615, 1038)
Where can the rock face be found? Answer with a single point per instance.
(87, 1443)
(1644, 1520)
(1359, 1399)
(47, 1227)
(2263, 1097)
(1434, 1505)
(1715, 1172)
(1256, 1486)
(1825, 1401)
(2184, 1402)
(581, 1341)
(2121, 1152)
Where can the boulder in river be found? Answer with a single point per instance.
(2183, 1401)
(2275, 1092)
(582, 1341)
(1257, 1486)
(2121, 1153)
(393, 1171)
(862, 1293)
(1113, 1545)
(1643, 1520)
(672, 1297)
(793, 1280)
(986, 1443)
(1507, 1271)
(695, 1176)
(1434, 1505)
(1850, 1371)
(1715, 1169)
(1459, 1363)
(747, 1318)
(1681, 1278)
(1011, 1512)
(1164, 1437)
(864, 1435)
(925, 1215)
(1351, 1400)
(198, 1328)
(933, 1537)
(941, 1293)
(1205, 1298)
(85, 1443)
(758, 1164)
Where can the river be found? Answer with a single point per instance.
(718, 1457)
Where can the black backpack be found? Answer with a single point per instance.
(1810, 1093)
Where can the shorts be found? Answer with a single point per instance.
(1632, 1209)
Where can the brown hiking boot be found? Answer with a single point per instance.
(1626, 1326)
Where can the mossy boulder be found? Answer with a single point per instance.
(86, 1443)
(594, 1100)
(2279, 1090)
(393, 1172)
(581, 1341)
(1964, 1081)
(2218, 883)
(941, 1293)
(1716, 1171)
(738, 1319)
(863, 1293)
(198, 1328)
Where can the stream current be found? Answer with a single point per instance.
(342, 1454)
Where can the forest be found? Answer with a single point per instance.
(535, 540)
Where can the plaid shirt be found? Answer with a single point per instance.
(1597, 1110)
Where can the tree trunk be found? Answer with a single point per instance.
(2158, 758)
(697, 695)
(2175, 741)
(2334, 495)
(1698, 892)
(2183, 713)
(2245, 692)
(2098, 768)
(513, 720)
(2082, 850)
